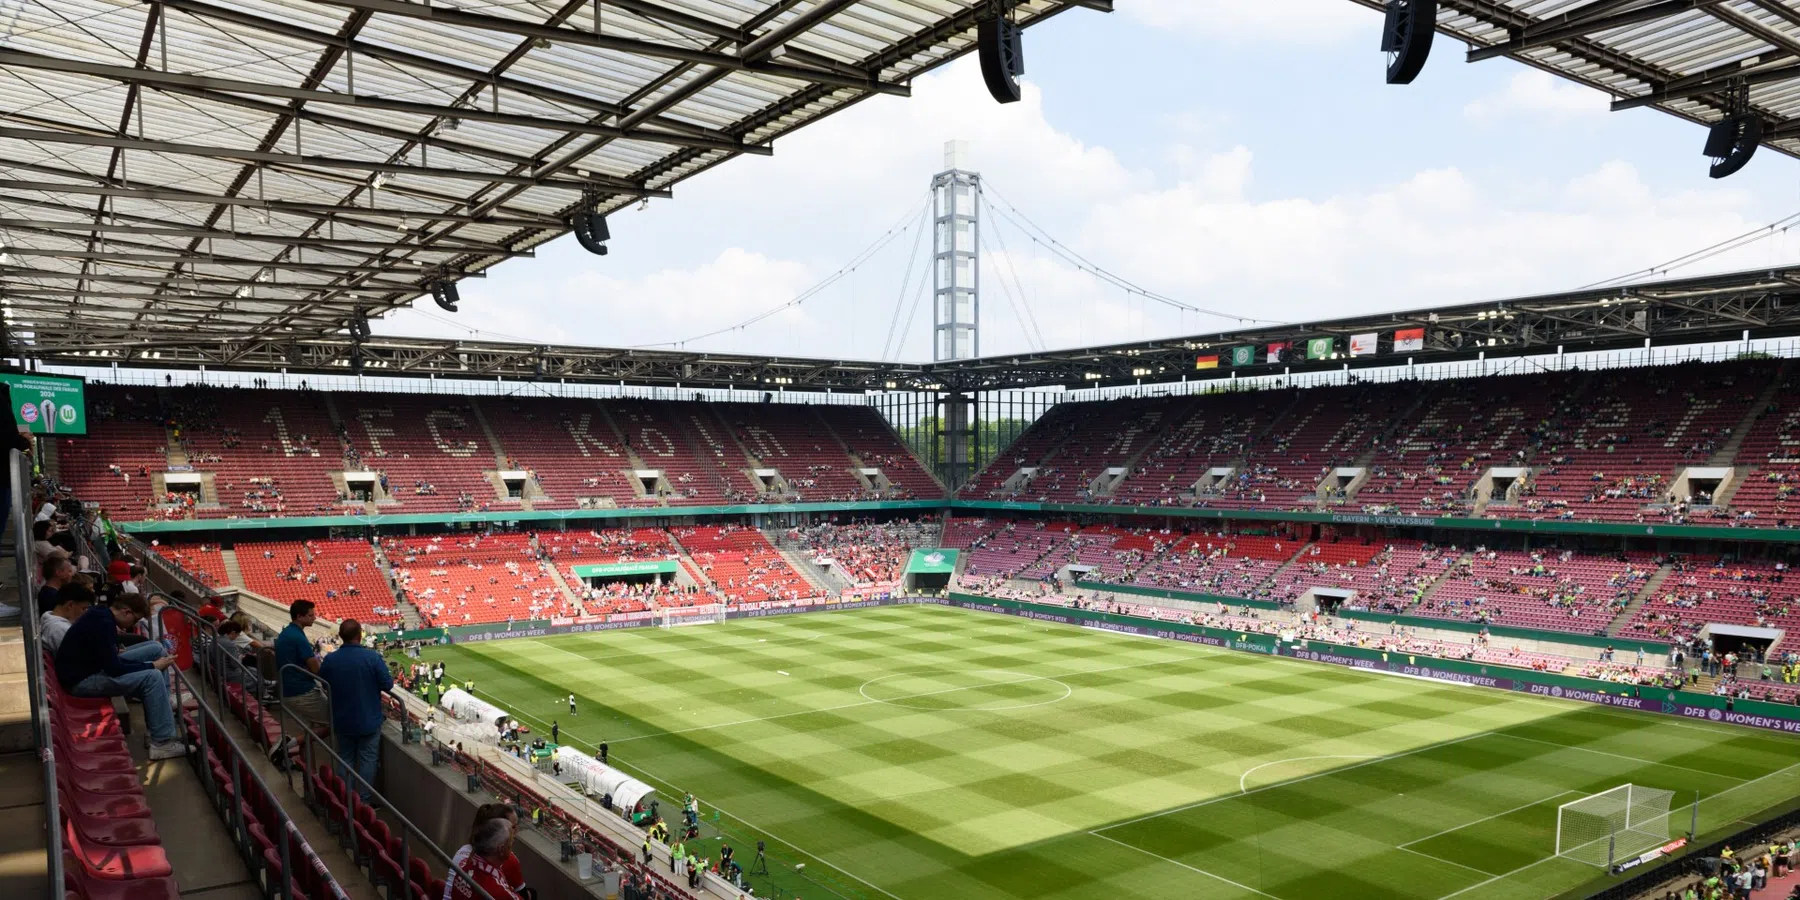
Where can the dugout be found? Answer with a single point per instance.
(466, 707)
(634, 573)
(929, 571)
(601, 780)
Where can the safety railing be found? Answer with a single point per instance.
(19, 475)
(346, 820)
(215, 745)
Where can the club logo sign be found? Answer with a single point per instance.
(28, 412)
(936, 559)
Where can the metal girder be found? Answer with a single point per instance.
(1664, 95)
(1545, 33)
(151, 259)
(633, 46)
(296, 160)
(160, 195)
(761, 47)
(211, 234)
(195, 281)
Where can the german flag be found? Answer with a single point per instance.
(1206, 362)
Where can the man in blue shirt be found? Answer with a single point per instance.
(358, 677)
(88, 665)
(300, 694)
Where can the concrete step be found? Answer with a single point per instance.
(24, 870)
(15, 697)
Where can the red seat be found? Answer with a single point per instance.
(92, 888)
(116, 863)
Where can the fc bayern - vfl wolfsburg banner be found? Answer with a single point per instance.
(931, 562)
(614, 570)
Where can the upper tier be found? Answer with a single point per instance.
(214, 453)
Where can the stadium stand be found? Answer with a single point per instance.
(1545, 590)
(268, 453)
(204, 561)
(462, 580)
(341, 576)
(742, 565)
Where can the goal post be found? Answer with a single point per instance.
(678, 616)
(1615, 824)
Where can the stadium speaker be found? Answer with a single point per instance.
(1731, 142)
(445, 295)
(1002, 58)
(1406, 38)
(590, 229)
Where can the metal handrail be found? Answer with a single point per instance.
(353, 798)
(239, 769)
(20, 479)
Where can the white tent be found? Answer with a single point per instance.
(465, 706)
(599, 779)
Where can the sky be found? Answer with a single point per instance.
(1244, 159)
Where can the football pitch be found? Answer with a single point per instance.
(923, 752)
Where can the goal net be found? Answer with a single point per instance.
(677, 616)
(1613, 825)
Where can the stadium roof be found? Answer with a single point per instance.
(273, 170)
(1679, 56)
(1716, 308)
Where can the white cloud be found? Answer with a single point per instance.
(751, 235)
(1301, 21)
(1535, 92)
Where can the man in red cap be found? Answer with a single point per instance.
(119, 571)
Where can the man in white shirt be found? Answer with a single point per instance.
(73, 600)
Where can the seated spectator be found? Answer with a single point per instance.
(490, 843)
(211, 611)
(88, 664)
(513, 874)
(71, 602)
(56, 572)
(41, 548)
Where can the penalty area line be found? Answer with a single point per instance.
(1194, 869)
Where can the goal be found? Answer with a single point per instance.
(1613, 825)
(677, 616)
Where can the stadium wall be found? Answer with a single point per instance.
(1683, 704)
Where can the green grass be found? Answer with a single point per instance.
(918, 753)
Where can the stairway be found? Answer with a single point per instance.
(1439, 581)
(235, 574)
(827, 584)
(501, 461)
(173, 451)
(1638, 600)
(556, 575)
(1292, 560)
(690, 565)
(1726, 455)
(48, 458)
(409, 613)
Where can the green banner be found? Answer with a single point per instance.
(931, 562)
(1320, 348)
(1243, 356)
(614, 570)
(48, 404)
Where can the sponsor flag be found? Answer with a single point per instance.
(1409, 340)
(1362, 344)
(1243, 356)
(1276, 349)
(1320, 348)
(1206, 362)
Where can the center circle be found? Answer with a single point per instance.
(975, 690)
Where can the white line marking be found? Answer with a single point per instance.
(1648, 762)
(1484, 819)
(1185, 866)
(1067, 692)
(1405, 849)
(1516, 871)
(1244, 777)
(1291, 781)
(616, 763)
